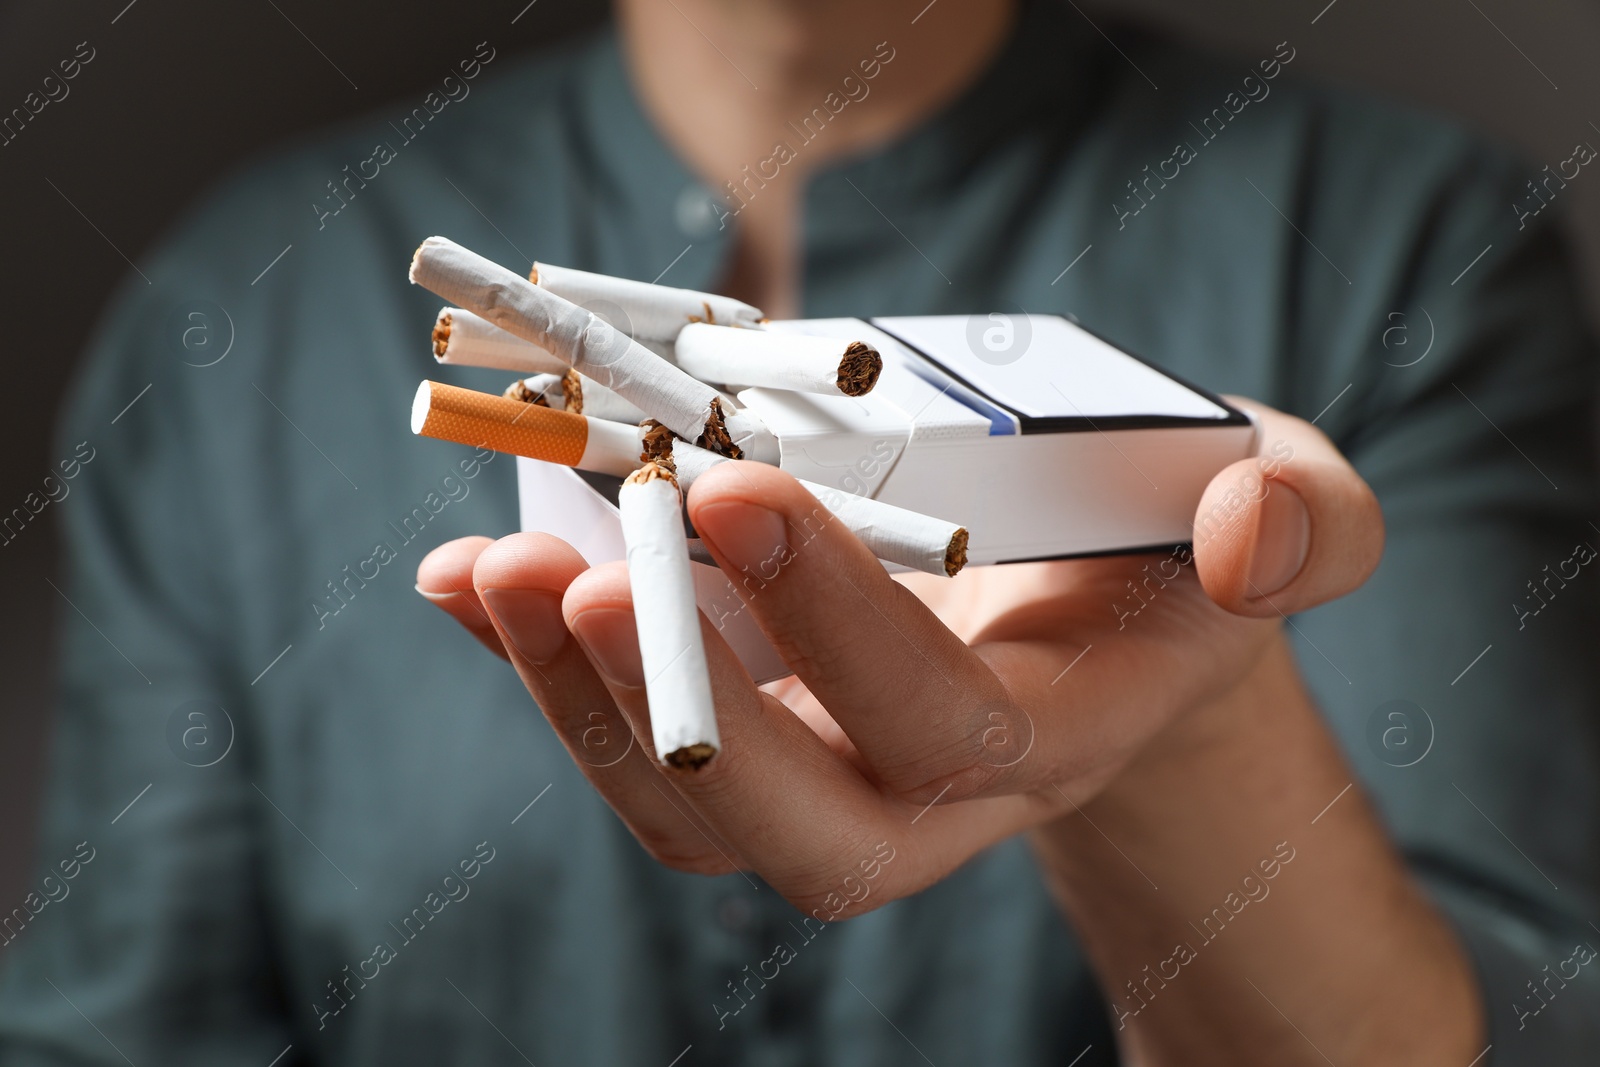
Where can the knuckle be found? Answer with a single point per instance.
(851, 896)
(945, 782)
(958, 759)
(817, 654)
(829, 899)
(833, 893)
(828, 907)
(716, 785)
(683, 856)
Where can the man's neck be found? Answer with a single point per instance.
(732, 83)
(723, 78)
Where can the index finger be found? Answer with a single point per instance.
(906, 690)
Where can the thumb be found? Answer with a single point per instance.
(1292, 528)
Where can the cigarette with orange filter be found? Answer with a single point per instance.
(592, 346)
(483, 420)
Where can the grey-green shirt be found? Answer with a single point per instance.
(388, 858)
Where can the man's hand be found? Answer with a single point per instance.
(1001, 698)
(1148, 699)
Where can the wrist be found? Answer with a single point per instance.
(1168, 872)
(1188, 808)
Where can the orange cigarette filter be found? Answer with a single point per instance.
(483, 420)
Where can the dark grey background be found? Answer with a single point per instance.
(181, 91)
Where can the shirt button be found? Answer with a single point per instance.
(697, 213)
(736, 915)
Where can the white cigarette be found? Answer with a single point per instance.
(542, 389)
(791, 361)
(575, 393)
(591, 346)
(683, 720)
(897, 534)
(463, 339)
(640, 309)
(892, 533)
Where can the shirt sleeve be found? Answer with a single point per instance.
(1464, 679)
(147, 918)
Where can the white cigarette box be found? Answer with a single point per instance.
(1039, 437)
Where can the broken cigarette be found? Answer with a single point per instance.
(648, 312)
(575, 393)
(683, 720)
(483, 420)
(892, 533)
(898, 535)
(590, 345)
(778, 360)
(463, 339)
(541, 389)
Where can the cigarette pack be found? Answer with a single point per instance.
(1042, 439)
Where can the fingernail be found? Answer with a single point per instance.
(748, 536)
(531, 619)
(611, 638)
(1283, 539)
(436, 598)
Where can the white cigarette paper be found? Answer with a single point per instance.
(898, 535)
(649, 312)
(577, 394)
(892, 533)
(542, 389)
(591, 346)
(463, 339)
(683, 720)
(790, 361)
